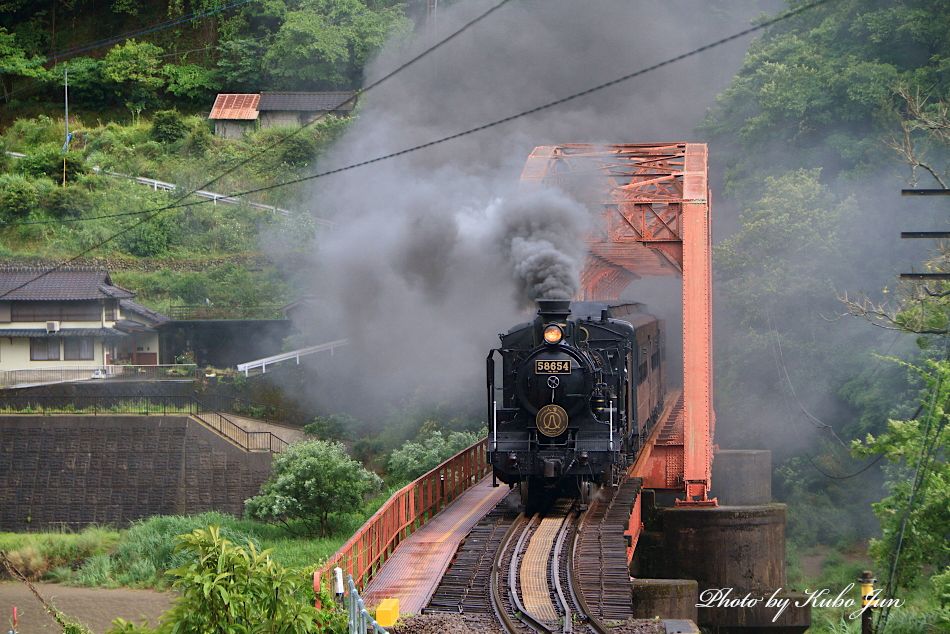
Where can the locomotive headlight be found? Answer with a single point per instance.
(553, 334)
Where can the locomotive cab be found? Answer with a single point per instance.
(564, 418)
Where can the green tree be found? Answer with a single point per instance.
(414, 458)
(136, 69)
(817, 89)
(240, 64)
(310, 482)
(191, 81)
(916, 449)
(15, 63)
(325, 43)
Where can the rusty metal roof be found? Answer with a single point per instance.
(65, 284)
(308, 101)
(239, 106)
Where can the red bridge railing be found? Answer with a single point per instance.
(409, 508)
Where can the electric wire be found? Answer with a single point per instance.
(375, 83)
(497, 122)
(154, 213)
(927, 453)
(56, 56)
(160, 26)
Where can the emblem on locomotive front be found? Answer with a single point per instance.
(551, 420)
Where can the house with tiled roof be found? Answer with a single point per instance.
(72, 317)
(235, 114)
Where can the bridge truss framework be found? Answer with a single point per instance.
(654, 206)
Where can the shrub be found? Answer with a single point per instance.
(228, 588)
(25, 133)
(414, 458)
(47, 160)
(29, 562)
(309, 482)
(168, 126)
(18, 196)
(148, 239)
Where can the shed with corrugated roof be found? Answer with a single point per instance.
(235, 114)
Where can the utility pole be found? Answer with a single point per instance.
(66, 119)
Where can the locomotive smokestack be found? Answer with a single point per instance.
(554, 309)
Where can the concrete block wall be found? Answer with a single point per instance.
(73, 471)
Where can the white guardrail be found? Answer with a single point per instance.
(201, 193)
(287, 356)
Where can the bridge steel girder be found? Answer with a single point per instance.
(655, 219)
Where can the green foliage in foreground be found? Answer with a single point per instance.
(309, 482)
(920, 614)
(140, 556)
(916, 450)
(228, 588)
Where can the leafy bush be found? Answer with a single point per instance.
(168, 126)
(18, 196)
(309, 482)
(48, 160)
(417, 457)
(148, 239)
(334, 427)
(27, 133)
(226, 588)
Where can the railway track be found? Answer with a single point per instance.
(556, 571)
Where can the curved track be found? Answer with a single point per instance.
(533, 585)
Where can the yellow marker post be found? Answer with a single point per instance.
(867, 596)
(387, 612)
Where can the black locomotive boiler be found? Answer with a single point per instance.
(581, 385)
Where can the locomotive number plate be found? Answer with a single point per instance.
(549, 366)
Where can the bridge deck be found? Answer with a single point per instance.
(415, 568)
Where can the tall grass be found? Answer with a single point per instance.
(36, 554)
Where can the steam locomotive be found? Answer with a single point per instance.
(578, 394)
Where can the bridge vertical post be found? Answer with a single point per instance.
(697, 325)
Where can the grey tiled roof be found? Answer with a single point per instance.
(154, 318)
(65, 332)
(307, 101)
(66, 284)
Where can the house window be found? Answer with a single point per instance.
(44, 349)
(79, 349)
(56, 311)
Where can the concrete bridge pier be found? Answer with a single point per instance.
(735, 552)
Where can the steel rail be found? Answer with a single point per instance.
(522, 527)
(573, 584)
(568, 526)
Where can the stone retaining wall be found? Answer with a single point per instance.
(72, 471)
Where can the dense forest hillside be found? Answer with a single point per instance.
(182, 53)
(822, 354)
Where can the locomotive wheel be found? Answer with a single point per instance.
(587, 492)
(524, 490)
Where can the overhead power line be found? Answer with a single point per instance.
(524, 113)
(762, 25)
(177, 203)
(195, 15)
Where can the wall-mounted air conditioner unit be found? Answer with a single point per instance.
(52, 326)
